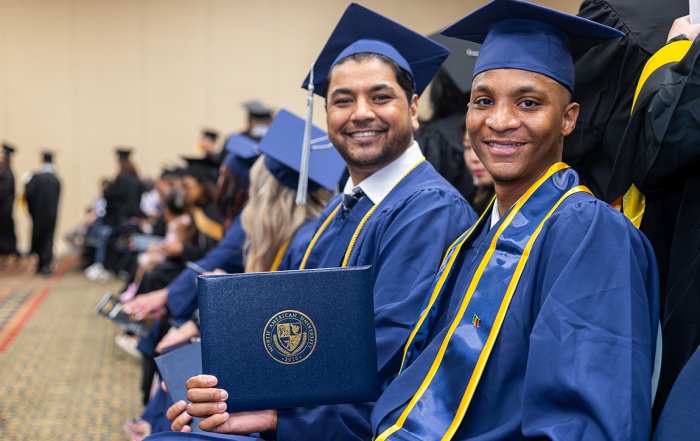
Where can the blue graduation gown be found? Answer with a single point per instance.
(404, 240)
(574, 357)
(227, 255)
(297, 246)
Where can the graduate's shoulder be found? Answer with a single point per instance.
(433, 203)
(426, 191)
(423, 184)
(583, 214)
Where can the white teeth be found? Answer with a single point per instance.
(505, 146)
(363, 134)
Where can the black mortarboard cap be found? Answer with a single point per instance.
(459, 65)
(123, 153)
(203, 169)
(8, 148)
(211, 134)
(256, 109)
(47, 156)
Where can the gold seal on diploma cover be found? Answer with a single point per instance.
(289, 337)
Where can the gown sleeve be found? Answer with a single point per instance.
(227, 255)
(590, 361)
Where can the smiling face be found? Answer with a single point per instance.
(517, 122)
(370, 121)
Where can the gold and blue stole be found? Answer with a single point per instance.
(444, 394)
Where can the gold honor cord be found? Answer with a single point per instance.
(206, 225)
(359, 228)
(280, 254)
(633, 201)
(472, 286)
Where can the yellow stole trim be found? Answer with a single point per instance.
(359, 228)
(481, 363)
(209, 227)
(457, 245)
(280, 254)
(486, 352)
(633, 202)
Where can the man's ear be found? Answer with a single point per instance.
(413, 112)
(568, 123)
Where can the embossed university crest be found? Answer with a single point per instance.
(289, 337)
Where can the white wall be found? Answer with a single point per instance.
(82, 76)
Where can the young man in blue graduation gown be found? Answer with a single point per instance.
(543, 320)
(396, 213)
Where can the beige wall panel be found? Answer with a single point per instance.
(82, 76)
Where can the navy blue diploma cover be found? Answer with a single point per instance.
(290, 338)
(176, 367)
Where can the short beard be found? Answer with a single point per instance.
(391, 150)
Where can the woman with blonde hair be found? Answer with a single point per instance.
(277, 230)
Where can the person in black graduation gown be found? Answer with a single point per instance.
(659, 154)
(42, 191)
(8, 240)
(123, 194)
(123, 198)
(611, 152)
(208, 145)
(606, 76)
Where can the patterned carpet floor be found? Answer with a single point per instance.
(61, 375)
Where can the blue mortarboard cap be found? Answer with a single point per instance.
(242, 152)
(282, 147)
(521, 35)
(362, 30)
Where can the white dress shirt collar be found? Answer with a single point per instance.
(380, 183)
(495, 214)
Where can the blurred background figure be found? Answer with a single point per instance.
(42, 190)
(209, 147)
(440, 137)
(483, 190)
(8, 240)
(123, 199)
(259, 119)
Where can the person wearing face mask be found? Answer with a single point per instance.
(259, 119)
